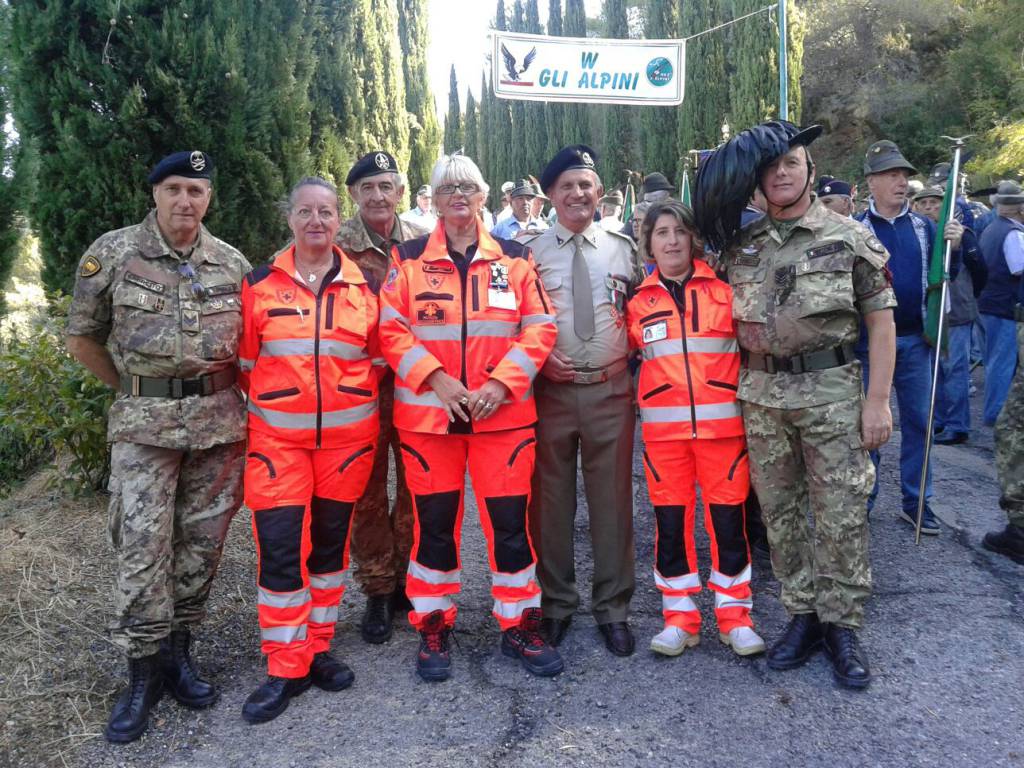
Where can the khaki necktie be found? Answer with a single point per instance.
(582, 294)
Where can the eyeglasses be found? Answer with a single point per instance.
(466, 188)
(198, 289)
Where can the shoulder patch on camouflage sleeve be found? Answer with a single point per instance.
(90, 266)
(874, 244)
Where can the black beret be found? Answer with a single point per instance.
(371, 164)
(567, 159)
(831, 186)
(191, 165)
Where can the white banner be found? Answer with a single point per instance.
(583, 69)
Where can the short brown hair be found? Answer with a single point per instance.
(680, 213)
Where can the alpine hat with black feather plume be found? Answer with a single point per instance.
(728, 177)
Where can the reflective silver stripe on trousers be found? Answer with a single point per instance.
(407, 396)
(390, 313)
(325, 580)
(500, 328)
(323, 615)
(670, 603)
(724, 601)
(246, 364)
(523, 361)
(328, 347)
(437, 332)
(283, 634)
(282, 599)
(536, 319)
(431, 604)
(283, 420)
(686, 581)
(710, 412)
(409, 359)
(521, 579)
(719, 579)
(430, 576)
(515, 610)
(667, 347)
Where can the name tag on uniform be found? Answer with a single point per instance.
(655, 332)
(501, 299)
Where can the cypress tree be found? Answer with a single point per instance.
(619, 133)
(658, 135)
(536, 133)
(553, 110)
(425, 133)
(502, 136)
(483, 137)
(707, 102)
(9, 234)
(574, 116)
(517, 147)
(753, 56)
(453, 133)
(102, 102)
(470, 131)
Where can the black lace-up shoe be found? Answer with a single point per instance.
(130, 716)
(526, 644)
(849, 666)
(1009, 542)
(378, 619)
(330, 674)
(271, 699)
(433, 662)
(800, 640)
(181, 678)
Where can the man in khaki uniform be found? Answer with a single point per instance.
(584, 405)
(803, 278)
(381, 542)
(156, 315)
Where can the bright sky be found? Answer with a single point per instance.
(459, 34)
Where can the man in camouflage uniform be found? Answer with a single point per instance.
(156, 316)
(803, 277)
(381, 542)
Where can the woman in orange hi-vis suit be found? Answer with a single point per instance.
(466, 326)
(681, 321)
(309, 335)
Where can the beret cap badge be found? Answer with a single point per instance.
(381, 160)
(197, 160)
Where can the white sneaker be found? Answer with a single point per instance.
(744, 641)
(672, 641)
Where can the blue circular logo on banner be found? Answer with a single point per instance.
(659, 71)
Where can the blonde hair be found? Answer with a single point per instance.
(451, 169)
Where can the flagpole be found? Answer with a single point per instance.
(783, 64)
(954, 174)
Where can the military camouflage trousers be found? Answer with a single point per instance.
(169, 514)
(1010, 443)
(381, 535)
(813, 457)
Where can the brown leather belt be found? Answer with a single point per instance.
(820, 360)
(597, 375)
(207, 384)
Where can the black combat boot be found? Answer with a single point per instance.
(526, 644)
(329, 673)
(130, 715)
(433, 663)
(271, 699)
(1009, 542)
(849, 665)
(800, 640)
(181, 678)
(378, 619)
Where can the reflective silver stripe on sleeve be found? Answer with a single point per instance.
(283, 634)
(325, 580)
(521, 359)
(500, 328)
(282, 599)
(430, 576)
(686, 581)
(323, 615)
(670, 603)
(284, 420)
(669, 414)
(246, 364)
(719, 579)
(409, 359)
(437, 332)
(407, 396)
(515, 610)
(390, 313)
(536, 319)
(521, 579)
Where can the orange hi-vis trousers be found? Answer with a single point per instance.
(500, 466)
(301, 501)
(720, 465)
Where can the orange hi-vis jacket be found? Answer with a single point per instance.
(498, 324)
(691, 361)
(306, 360)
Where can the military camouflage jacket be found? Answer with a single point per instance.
(370, 250)
(804, 294)
(130, 295)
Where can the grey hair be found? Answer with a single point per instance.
(308, 181)
(1009, 209)
(451, 169)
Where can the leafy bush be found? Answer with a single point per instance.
(51, 406)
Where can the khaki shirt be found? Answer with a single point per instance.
(371, 251)
(804, 294)
(130, 296)
(609, 259)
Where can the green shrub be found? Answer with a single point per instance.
(51, 406)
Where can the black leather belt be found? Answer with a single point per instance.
(820, 360)
(1018, 313)
(207, 384)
